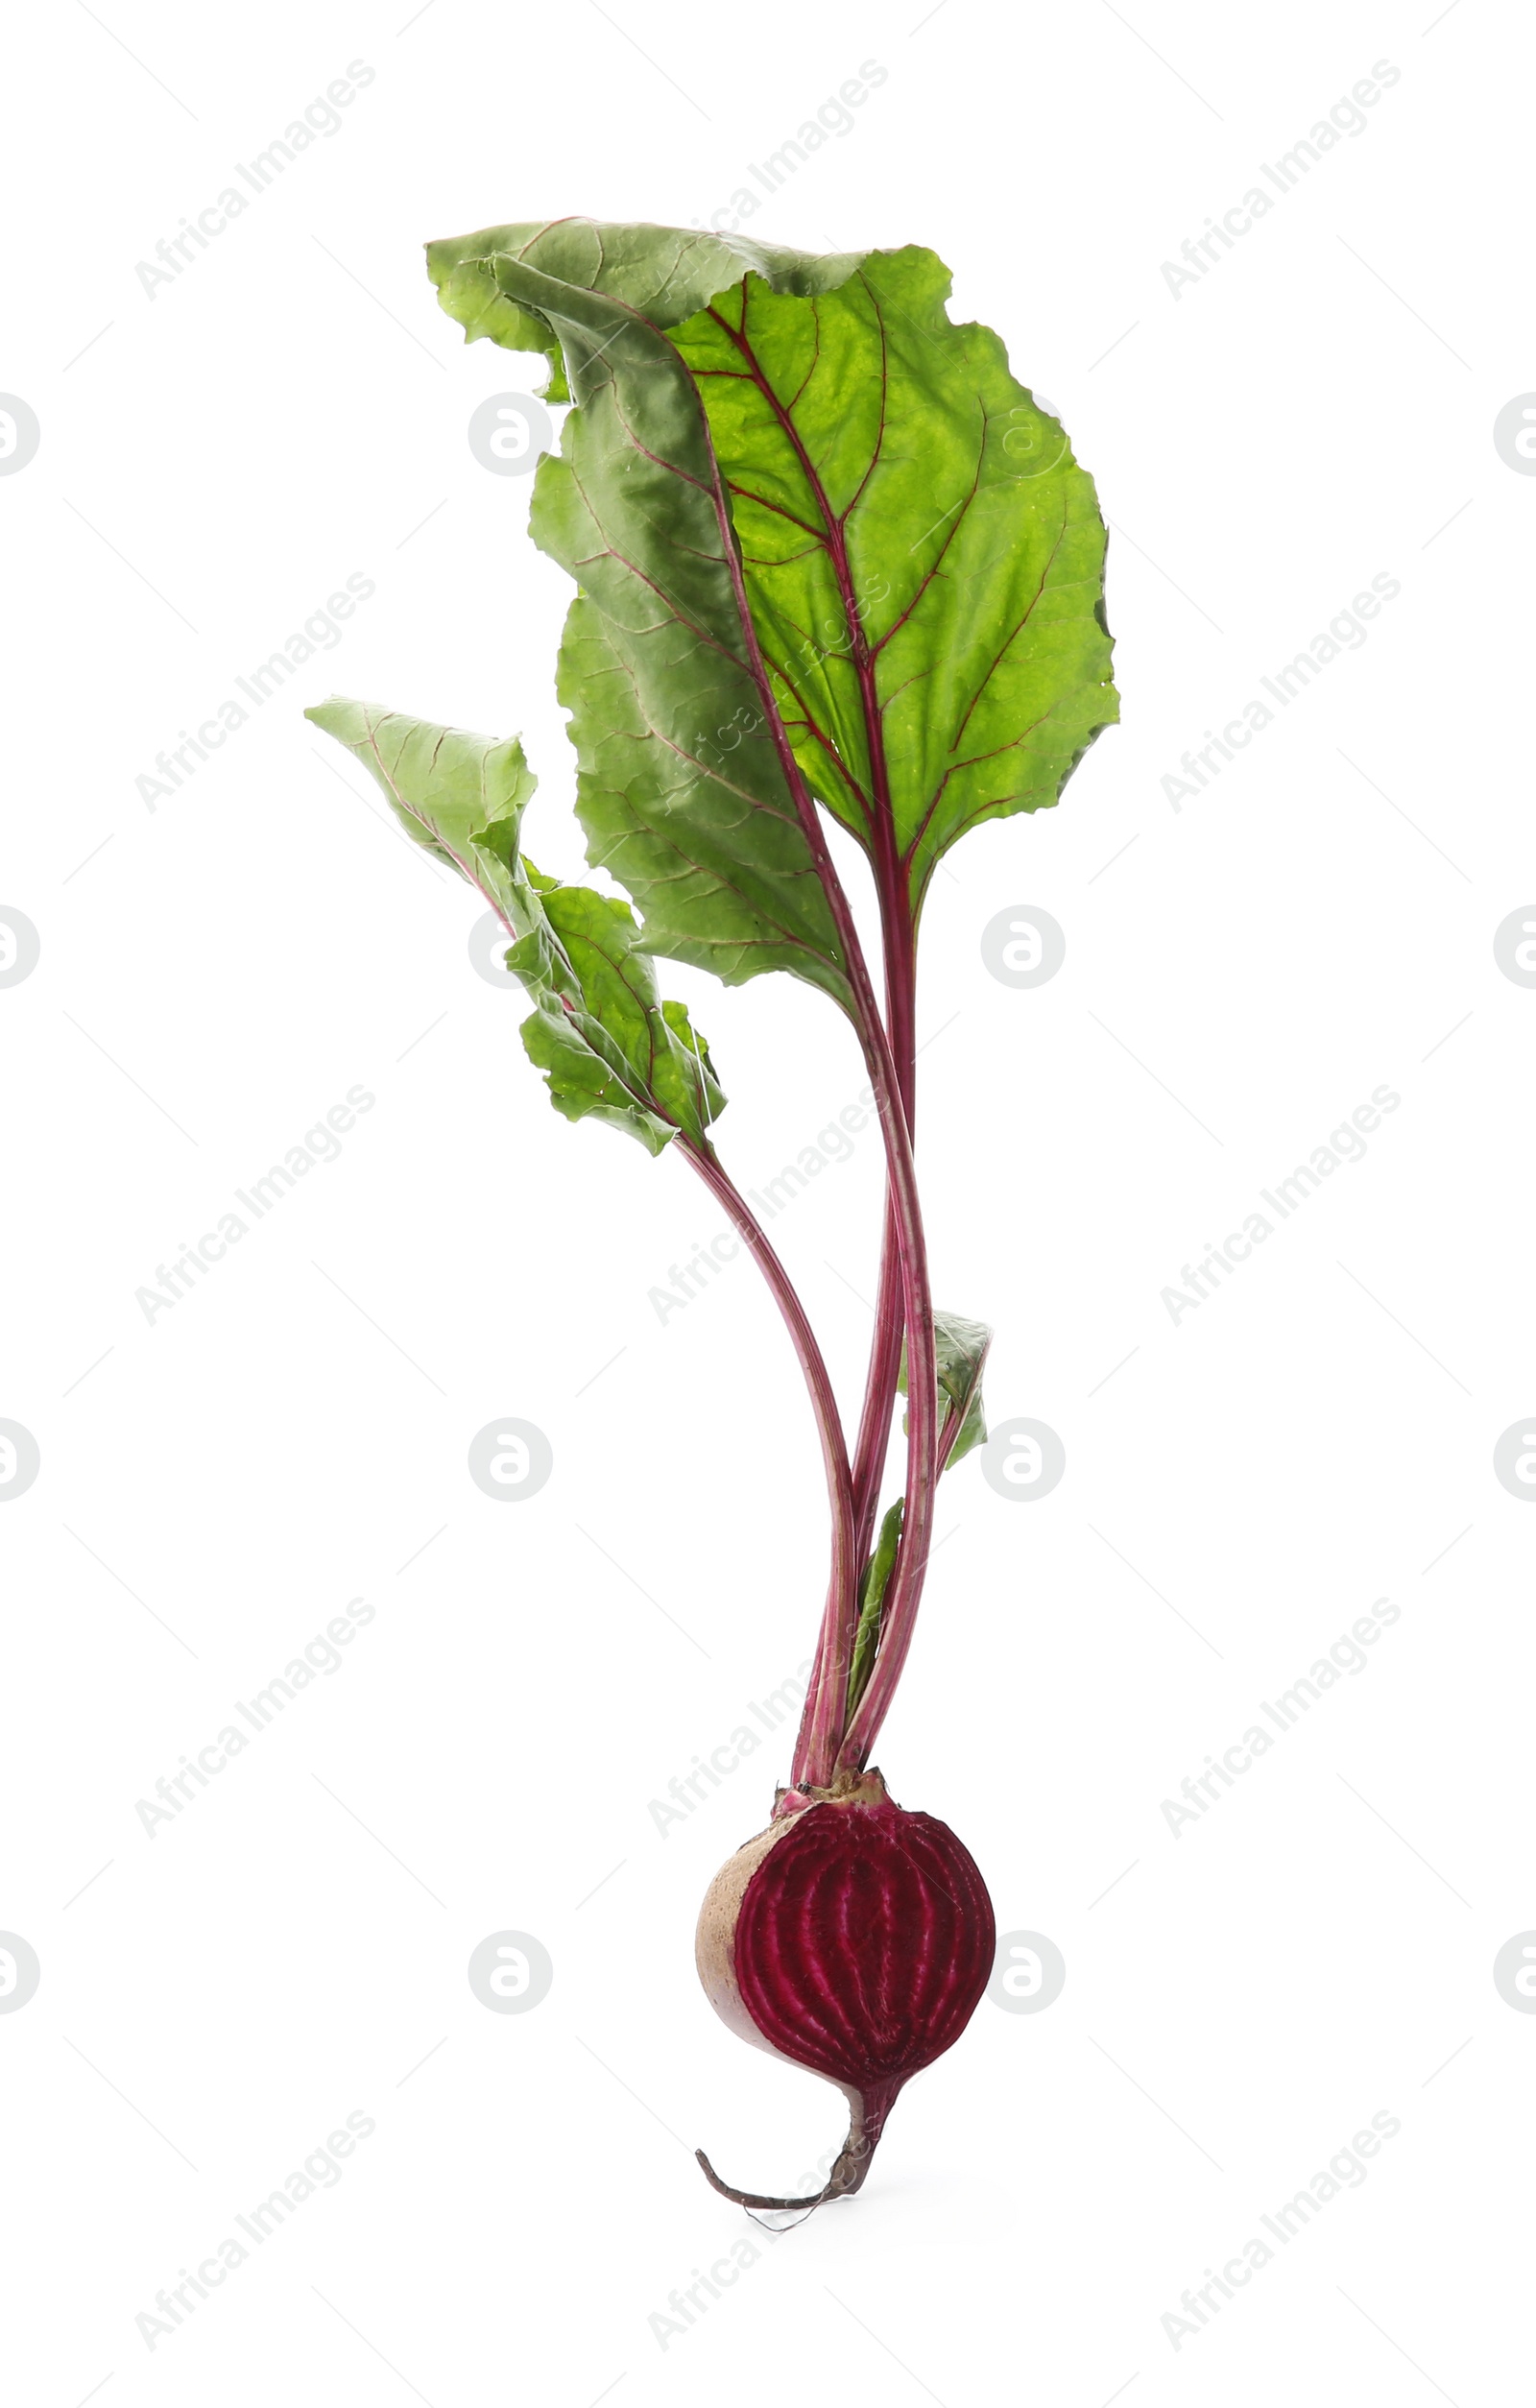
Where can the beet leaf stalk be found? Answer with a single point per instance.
(832, 563)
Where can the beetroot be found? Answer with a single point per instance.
(835, 568)
(850, 1937)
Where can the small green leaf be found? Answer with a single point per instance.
(961, 1348)
(446, 787)
(610, 1048)
(875, 1581)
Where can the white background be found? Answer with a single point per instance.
(1241, 1485)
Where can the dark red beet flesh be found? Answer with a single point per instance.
(863, 1943)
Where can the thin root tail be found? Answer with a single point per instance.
(846, 2177)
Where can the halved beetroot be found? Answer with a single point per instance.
(850, 1937)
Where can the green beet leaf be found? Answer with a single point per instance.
(682, 787)
(665, 273)
(923, 556)
(921, 560)
(872, 1590)
(608, 1044)
(961, 1347)
(610, 1048)
(446, 787)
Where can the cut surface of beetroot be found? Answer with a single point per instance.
(862, 1942)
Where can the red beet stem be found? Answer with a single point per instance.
(826, 1744)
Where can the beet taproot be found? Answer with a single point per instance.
(853, 1939)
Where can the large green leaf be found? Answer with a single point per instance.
(682, 782)
(717, 863)
(921, 558)
(663, 272)
(609, 1046)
